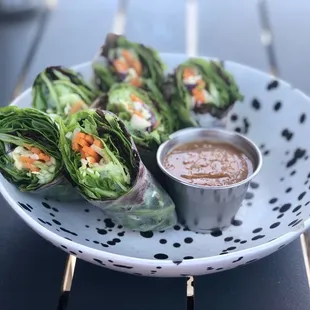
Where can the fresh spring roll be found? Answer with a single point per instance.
(121, 60)
(201, 93)
(62, 91)
(103, 162)
(29, 154)
(140, 114)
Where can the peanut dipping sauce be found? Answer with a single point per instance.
(208, 163)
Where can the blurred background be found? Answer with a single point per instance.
(269, 35)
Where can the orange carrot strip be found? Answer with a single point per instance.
(198, 94)
(88, 150)
(42, 156)
(35, 150)
(76, 107)
(46, 158)
(82, 142)
(89, 139)
(187, 72)
(98, 143)
(81, 135)
(133, 97)
(127, 55)
(83, 154)
(136, 82)
(91, 159)
(75, 145)
(25, 159)
(31, 167)
(120, 66)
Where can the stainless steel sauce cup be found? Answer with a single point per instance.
(207, 208)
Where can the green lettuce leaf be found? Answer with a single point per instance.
(115, 177)
(31, 127)
(57, 90)
(126, 191)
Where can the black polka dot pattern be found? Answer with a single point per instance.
(147, 234)
(288, 135)
(273, 85)
(302, 118)
(298, 154)
(256, 104)
(277, 106)
(160, 256)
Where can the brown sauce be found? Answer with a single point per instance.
(208, 163)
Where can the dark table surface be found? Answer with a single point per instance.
(32, 270)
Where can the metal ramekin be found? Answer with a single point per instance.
(207, 208)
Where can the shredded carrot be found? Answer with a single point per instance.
(91, 159)
(98, 143)
(81, 135)
(198, 95)
(120, 66)
(89, 139)
(75, 145)
(82, 142)
(127, 55)
(31, 167)
(188, 72)
(136, 82)
(76, 107)
(25, 159)
(133, 97)
(44, 157)
(83, 154)
(35, 150)
(89, 151)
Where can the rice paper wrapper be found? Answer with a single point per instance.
(130, 195)
(207, 120)
(148, 158)
(145, 207)
(59, 190)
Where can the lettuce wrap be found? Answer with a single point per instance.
(103, 162)
(121, 60)
(145, 119)
(62, 91)
(29, 154)
(201, 92)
